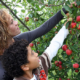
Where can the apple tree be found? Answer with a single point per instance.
(33, 13)
(67, 64)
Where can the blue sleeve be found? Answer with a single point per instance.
(43, 29)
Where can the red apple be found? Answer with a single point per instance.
(76, 65)
(66, 67)
(38, 51)
(79, 27)
(72, 57)
(78, 18)
(60, 66)
(64, 47)
(68, 52)
(31, 44)
(73, 25)
(60, 62)
(26, 19)
(38, 42)
(70, 31)
(68, 79)
(56, 62)
(78, 6)
(77, 70)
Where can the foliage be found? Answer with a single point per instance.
(43, 10)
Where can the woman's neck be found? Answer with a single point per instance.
(10, 41)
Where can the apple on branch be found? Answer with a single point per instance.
(26, 19)
(31, 44)
(76, 65)
(78, 18)
(68, 52)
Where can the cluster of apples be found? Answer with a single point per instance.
(58, 64)
(73, 24)
(69, 52)
(76, 66)
(65, 48)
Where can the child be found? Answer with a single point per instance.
(24, 64)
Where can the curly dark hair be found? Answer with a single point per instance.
(14, 57)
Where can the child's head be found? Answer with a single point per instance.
(19, 58)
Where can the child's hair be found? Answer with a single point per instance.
(14, 57)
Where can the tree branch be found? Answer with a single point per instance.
(57, 5)
(13, 14)
(52, 4)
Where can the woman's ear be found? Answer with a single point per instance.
(25, 67)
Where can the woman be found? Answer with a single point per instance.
(9, 30)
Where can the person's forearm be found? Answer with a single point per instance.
(56, 42)
(47, 26)
(43, 29)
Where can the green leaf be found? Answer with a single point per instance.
(24, 0)
(73, 49)
(78, 2)
(14, 0)
(42, 7)
(62, 12)
(67, 24)
(31, 15)
(29, 1)
(69, 72)
(23, 10)
(68, 9)
(49, 2)
(37, 7)
(15, 11)
(42, 1)
(67, 2)
(18, 1)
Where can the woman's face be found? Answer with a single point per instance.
(13, 28)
